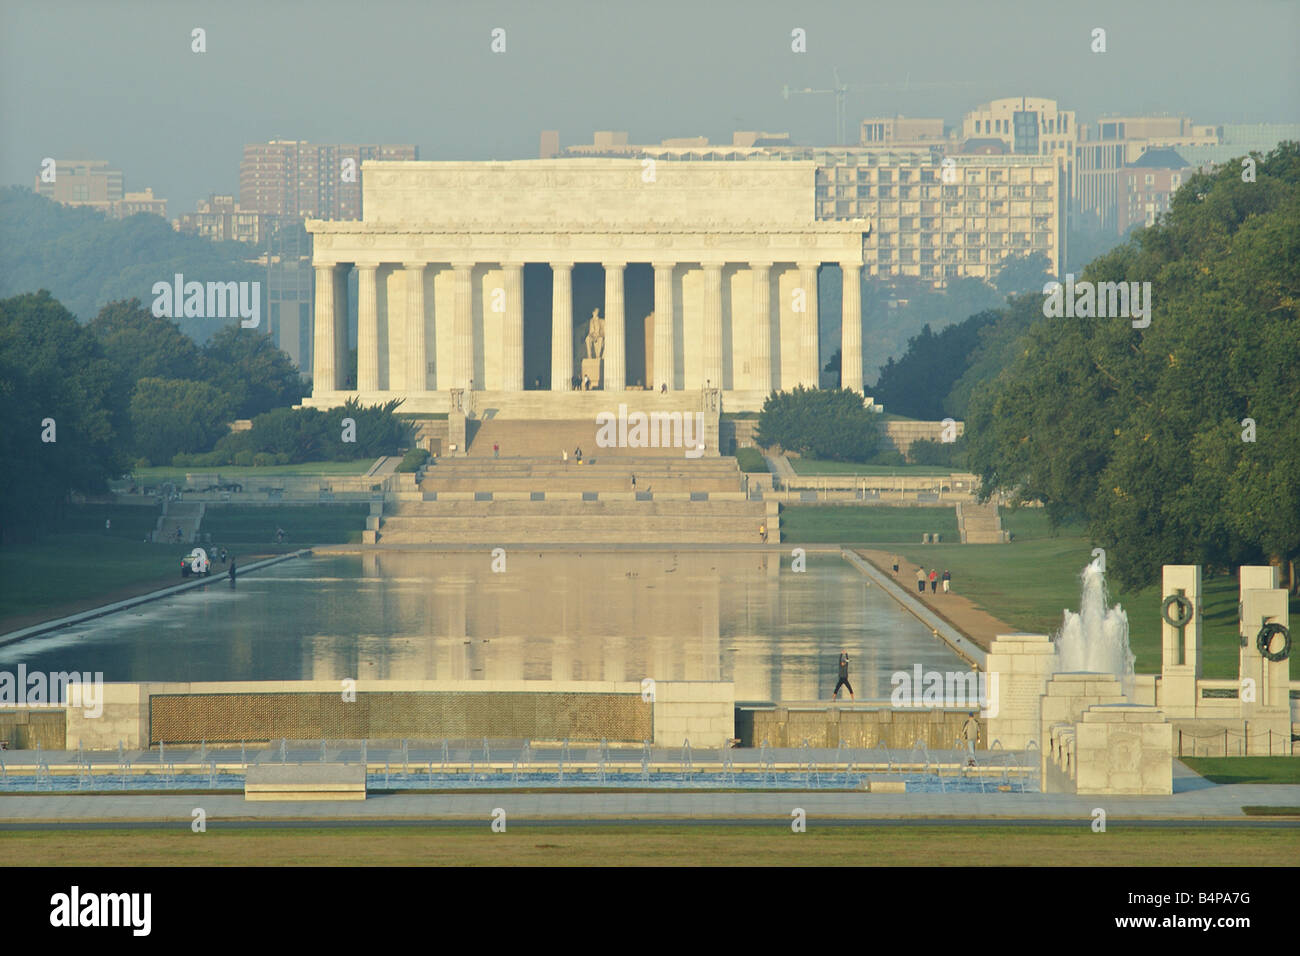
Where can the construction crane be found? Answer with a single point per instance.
(840, 90)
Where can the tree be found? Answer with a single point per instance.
(55, 383)
(143, 345)
(1023, 273)
(1143, 431)
(821, 423)
(917, 385)
(245, 365)
(171, 416)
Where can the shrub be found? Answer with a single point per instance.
(888, 458)
(751, 460)
(819, 423)
(143, 463)
(244, 458)
(413, 459)
(943, 454)
(262, 459)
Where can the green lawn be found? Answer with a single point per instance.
(1246, 769)
(757, 845)
(304, 525)
(152, 476)
(1031, 581)
(864, 524)
(64, 569)
(818, 466)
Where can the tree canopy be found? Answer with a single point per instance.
(1147, 433)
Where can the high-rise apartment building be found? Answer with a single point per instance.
(300, 179)
(81, 182)
(221, 219)
(1147, 186)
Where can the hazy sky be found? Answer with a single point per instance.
(116, 79)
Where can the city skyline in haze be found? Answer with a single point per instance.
(120, 81)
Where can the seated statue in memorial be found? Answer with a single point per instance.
(596, 336)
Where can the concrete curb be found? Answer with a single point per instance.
(964, 647)
(62, 622)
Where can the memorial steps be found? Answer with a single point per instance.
(492, 501)
(548, 438)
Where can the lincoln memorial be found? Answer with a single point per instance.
(555, 276)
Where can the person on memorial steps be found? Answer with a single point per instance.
(970, 733)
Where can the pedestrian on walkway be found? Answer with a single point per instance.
(970, 734)
(564, 454)
(920, 580)
(231, 572)
(947, 580)
(934, 581)
(895, 564)
(844, 677)
(108, 524)
(496, 450)
(634, 482)
(577, 454)
(762, 532)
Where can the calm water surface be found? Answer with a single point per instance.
(551, 616)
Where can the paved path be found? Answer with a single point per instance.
(962, 613)
(780, 466)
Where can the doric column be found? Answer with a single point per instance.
(664, 347)
(851, 327)
(324, 349)
(809, 364)
(712, 324)
(463, 327)
(417, 363)
(341, 349)
(367, 328)
(615, 324)
(761, 361)
(512, 331)
(561, 326)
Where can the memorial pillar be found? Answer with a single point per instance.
(341, 326)
(615, 377)
(561, 326)
(712, 324)
(512, 332)
(417, 364)
(367, 328)
(664, 361)
(324, 348)
(761, 362)
(810, 351)
(851, 327)
(463, 326)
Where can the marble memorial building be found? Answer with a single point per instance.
(549, 276)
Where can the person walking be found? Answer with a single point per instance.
(108, 524)
(577, 454)
(934, 581)
(895, 564)
(230, 573)
(496, 450)
(564, 454)
(947, 580)
(762, 532)
(920, 580)
(970, 734)
(844, 677)
(634, 482)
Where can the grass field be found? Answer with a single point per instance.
(1246, 769)
(864, 524)
(771, 845)
(81, 565)
(1029, 582)
(304, 525)
(817, 466)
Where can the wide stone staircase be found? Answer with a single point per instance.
(185, 516)
(494, 501)
(980, 523)
(547, 439)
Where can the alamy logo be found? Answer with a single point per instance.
(652, 430)
(1101, 300)
(56, 689)
(215, 300)
(964, 689)
(75, 908)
